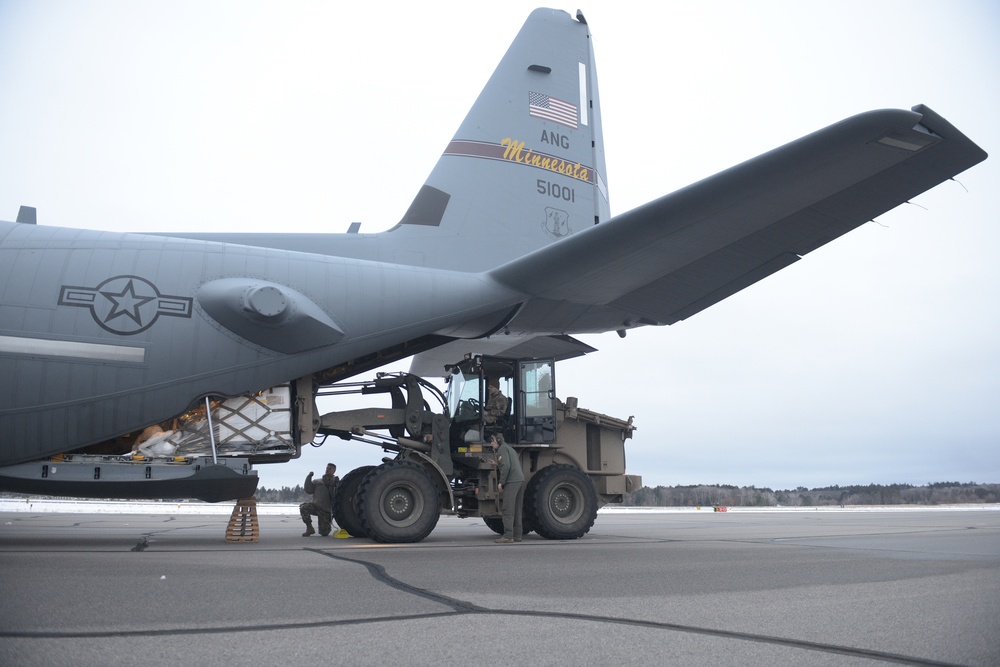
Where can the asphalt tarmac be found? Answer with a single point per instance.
(682, 588)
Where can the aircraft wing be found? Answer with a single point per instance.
(671, 258)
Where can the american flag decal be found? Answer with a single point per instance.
(549, 108)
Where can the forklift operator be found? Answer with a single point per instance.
(496, 404)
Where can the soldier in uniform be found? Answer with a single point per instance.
(322, 503)
(496, 404)
(510, 484)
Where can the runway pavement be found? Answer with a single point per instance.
(682, 588)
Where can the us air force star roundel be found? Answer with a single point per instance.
(125, 305)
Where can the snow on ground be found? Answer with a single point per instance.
(65, 506)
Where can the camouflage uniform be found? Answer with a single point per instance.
(496, 407)
(322, 503)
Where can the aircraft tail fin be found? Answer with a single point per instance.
(526, 167)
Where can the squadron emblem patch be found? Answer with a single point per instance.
(556, 223)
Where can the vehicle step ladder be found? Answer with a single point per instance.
(243, 524)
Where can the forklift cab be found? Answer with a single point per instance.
(528, 385)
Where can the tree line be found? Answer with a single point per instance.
(696, 495)
(937, 493)
(284, 495)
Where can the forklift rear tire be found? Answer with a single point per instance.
(561, 502)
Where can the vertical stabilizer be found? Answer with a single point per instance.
(526, 167)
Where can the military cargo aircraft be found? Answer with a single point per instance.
(118, 343)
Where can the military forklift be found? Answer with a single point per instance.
(573, 459)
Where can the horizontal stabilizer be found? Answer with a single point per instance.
(432, 362)
(671, 258)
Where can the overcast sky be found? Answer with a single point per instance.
(876, 359)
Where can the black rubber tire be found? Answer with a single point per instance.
(526, 525)
(398, 502)
(345, 507)
(560, 502)
(494, 523)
